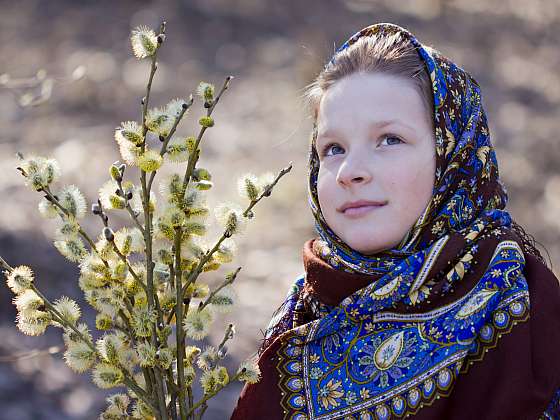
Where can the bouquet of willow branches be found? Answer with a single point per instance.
(148, 307)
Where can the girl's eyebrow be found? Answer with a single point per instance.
(378, 124)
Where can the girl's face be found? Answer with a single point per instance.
(376, 143)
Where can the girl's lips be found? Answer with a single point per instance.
(354, 212)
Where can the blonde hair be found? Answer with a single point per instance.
(388, 54)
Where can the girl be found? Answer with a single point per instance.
(422, 296)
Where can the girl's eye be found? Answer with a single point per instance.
(391, 137)
(328, 147)
(391, 140)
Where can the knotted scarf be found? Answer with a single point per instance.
(435, 304)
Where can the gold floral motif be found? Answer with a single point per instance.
(314, 358)
(438, 226)
(364, 393)
(330, 394)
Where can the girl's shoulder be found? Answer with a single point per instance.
(537, 270)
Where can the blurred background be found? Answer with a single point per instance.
(274, 49)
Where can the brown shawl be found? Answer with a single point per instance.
(517, 379)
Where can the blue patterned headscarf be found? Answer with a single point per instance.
(437, 301)
(467, 186)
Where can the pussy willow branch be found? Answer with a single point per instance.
(161, 393)
(198, 269)
(201, 411)
(4, 264)
(190, 396)
(158, 375)
(228, 335)
(172, 405)
(193, 157)
(148, 231)
(179, 326)
(159, 396)
(227, 281)
(129, 381)
(193, 275)
(153, 68)
(171, 274)
(145, 193)
(125, 260)
(55, 201)
(168, 137)
(148, 226)
(128, 328)
(267, 191)
(178, 119)
(148, 376)
(132, 213)
(211, 394)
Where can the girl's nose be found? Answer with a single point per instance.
(353, 172)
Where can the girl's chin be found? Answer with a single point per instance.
(368, 248)
(374, 251)
(359, 236)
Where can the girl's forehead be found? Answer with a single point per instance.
(378, 96)
(370, 102)
(330, 130)
(370, 119)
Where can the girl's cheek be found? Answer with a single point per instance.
(404, 186)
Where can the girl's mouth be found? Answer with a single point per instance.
(355, 212)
